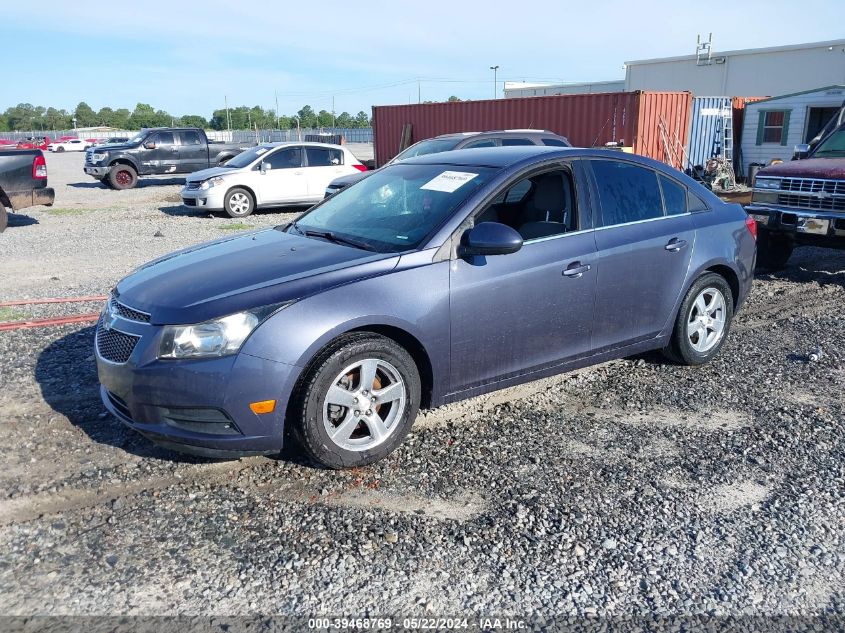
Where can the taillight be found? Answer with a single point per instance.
(751, 225)
(360, 167)
(39, 167)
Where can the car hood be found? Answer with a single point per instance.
(350, 179)
(833, 168)
(211, 172)
(116, 147)
(242, 272)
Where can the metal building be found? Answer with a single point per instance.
(755, 71)
(522, 89)
(773, 127)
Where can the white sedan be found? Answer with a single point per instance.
(69, 145)
(270, 175)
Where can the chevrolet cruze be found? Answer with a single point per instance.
(436, 279)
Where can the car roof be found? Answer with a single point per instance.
(507, 156)
(299, 143)
(497, 133)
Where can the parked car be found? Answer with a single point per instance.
(69, 145)
(802, 202)
(270, 175)
(463, 140)
(23, 181)
(40, 142)
(157, 151)
(438, 278)
(114, 140)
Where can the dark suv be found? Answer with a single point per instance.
(460, 140)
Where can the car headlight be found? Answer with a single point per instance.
(766, 183)
(211, 182)
(218, 337)
(96, 157)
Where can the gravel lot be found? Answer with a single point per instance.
(637, 487)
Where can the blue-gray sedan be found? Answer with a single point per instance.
(437, 279)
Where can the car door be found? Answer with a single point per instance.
(323, 164)
(193, 152)
(511, 314)
(644, 250)
(282, 179)
(164, 157)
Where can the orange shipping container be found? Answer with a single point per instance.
(650, 122)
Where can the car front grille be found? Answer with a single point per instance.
(189, 202)
(192, 186)
(797, 201)
(126, 312)
(113, 345)
(813, 185)
(119, 404)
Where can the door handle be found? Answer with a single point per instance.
(675, 245)
(576, 269)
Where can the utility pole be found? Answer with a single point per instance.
(228, 118)
(334, 119)
(278, 118)
(495, 83)
(419, 92)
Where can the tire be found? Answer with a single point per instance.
(122, 177)
(238, 203)
(773, 251)
(4, 218)
(60, 149)
(362, 436)
(692, 341)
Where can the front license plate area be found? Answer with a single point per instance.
(815, 226)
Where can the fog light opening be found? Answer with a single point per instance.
(263, 406)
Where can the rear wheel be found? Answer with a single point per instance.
(122, 177)
(238, 203)
(60, 149)
(703, 321)
(357, 401)
(773, 250)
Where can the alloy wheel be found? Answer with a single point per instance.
(706, 322)
(239, 203)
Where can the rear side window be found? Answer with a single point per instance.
(485, 142)
(516, 141)
(190, 138)
(554, 142)
(286, 158)
(695, 203)
(164, 138)
(627, 192)
(323, 157)
(674, 196)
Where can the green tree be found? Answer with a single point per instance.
(4, 123)
(307, 118)
(344, 119)
(142, 116)
(194, 120)
(56, 119)
(453, 98)
(121, 118)
(85, 115)
(362, 120)
(325, 119)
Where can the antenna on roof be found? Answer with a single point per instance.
(703, 51)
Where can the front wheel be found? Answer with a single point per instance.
(122, 177)
(703, 321)
(357, 402)
(60, 149)
(239, 203)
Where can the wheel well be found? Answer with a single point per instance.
(123, 161)
(417, 352)
(245, 188)
(729, 276)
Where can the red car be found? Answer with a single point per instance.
(34, 143)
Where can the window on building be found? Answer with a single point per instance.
(773, 127)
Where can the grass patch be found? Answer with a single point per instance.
(66, 211)
(235, 226)
(13, 314)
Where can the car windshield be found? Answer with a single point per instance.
(396, 208)
(139, 137)
(431, 146)
(833, 145)
(248, 157)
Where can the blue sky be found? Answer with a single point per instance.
(184, 57)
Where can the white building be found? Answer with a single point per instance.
(773, 127)
(522, 89)
(756, 72)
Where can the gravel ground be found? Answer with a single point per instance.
(634, 488)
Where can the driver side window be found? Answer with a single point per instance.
(540, 206)
(290, 157)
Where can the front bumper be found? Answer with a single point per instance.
(211, 199)
(809, 226)
(143, 393)
(97, 172)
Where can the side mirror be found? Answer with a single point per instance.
(489, 238)
(800, 151)
(265, 166)
(149, 145)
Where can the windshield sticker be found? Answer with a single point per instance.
(448, 181)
